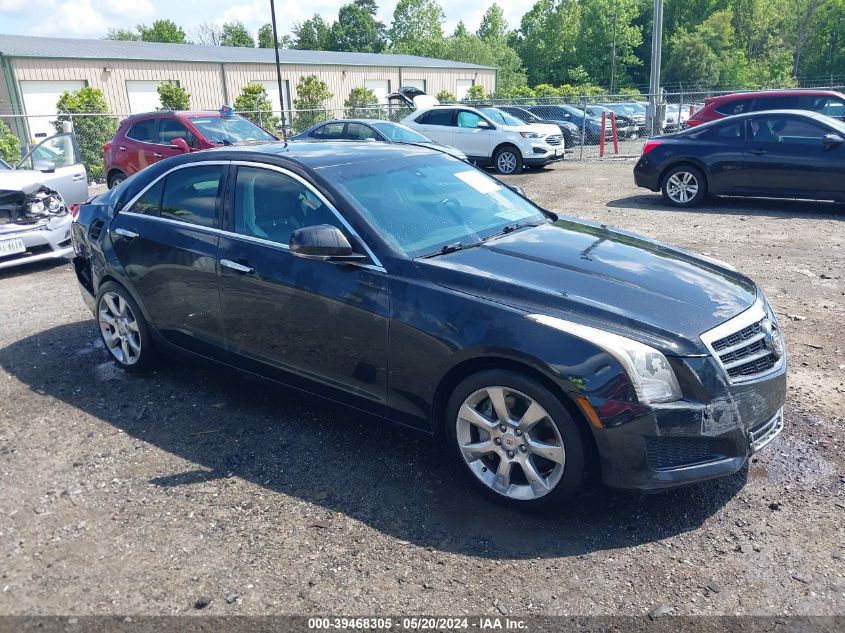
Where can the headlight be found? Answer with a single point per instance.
(45, 205)
(530, 135)
(648, 369)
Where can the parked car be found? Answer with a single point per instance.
(489, 136)
(144, 139)
(371, 130)
(640, 110)
(417, 288)
(626, 127)
(779, 153)
(827, 102)
(591, 126)
(630, 112)
(571, 132)
(673, 119)
(413, 98)
(35, 200)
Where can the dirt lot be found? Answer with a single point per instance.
(139, 495)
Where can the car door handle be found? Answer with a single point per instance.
(126, 233)
(758, 152)
(122, 148)
(241, 268)
(78, 177)
(156, 155)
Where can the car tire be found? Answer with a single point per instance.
(684, 186)
(123, 329)
(508, 160)
(536, 463)
(115, 179)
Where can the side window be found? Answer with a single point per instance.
(57, 151)
(358, 132)
(830, 106)
(468, 119)
(439, 116)
(190, 194)
(272, 205)
(143, 131)
(785, 130)
(150, 202)
(732, 131)
(329, 131)
(735, 106)
(171, 129)
(786, 102)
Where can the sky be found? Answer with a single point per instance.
(93, 18)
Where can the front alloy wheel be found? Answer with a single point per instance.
(516, 439)
(508, 161)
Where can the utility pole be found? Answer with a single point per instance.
(656, 52)
(278, 68)
(613, 55)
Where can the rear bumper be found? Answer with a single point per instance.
(646, 174)
(652, 448)
(42, 242)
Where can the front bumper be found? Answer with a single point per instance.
(43, 241)
(539, 155)
(651, 448)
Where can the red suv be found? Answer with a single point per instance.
(827, 102)
(144, 139)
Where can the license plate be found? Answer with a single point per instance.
(558, 152)
(11, 247)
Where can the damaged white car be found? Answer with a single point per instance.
(35, 200)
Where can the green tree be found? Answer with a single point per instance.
(173, 97)
(236, 34)
(312, 35)
(92, 132)
(360, 103)
(162, 31)
(476, 93)
(607, 40)
(265, 36)
(124, 35)
(357, 30)
(494, 26)
(310, 103)
(416, 21)
(10, 145)
(546, 40)
(472, 49)
(253, 103)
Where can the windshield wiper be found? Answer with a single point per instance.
(510, 228)
(452, 248)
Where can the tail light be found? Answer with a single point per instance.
(74, 210)
(650, 145)
(106, 147)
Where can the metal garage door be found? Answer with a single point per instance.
(272, 88)
(143, 96)
(380, 86)
(40, 97)
(463, 87)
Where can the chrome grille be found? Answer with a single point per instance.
(744, 347)
(554, 139)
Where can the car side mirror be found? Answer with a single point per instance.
(181, 144)
(321, 241)
(829, 141)
(484, 125)
(44, 166)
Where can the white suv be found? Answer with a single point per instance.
(489, 136)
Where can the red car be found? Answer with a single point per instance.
(144, 139)
(827, 102)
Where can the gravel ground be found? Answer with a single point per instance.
(140, 495)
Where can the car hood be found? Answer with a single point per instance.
(614, 280)
(25, 180)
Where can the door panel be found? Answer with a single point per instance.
(469, 138)
(138, 147)
(298, 320)
(172, 263)
(724, 151)
(68, 175)
(437, 125)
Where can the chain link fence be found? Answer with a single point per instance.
(615, 126)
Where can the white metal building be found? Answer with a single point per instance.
(37, 70)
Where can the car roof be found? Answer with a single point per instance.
(178, 113)
(773, 93)
(807, 114)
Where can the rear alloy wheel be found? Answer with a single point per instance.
(123, 329)
(516, 439)
(508, 161)
(116, 179)
(684, 186)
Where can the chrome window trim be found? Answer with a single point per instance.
(756, 313)
(127, 209)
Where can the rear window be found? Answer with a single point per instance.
(735, 106)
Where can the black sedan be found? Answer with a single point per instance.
(371, 130)
(415, 287)
(775, 154)
(571, 132)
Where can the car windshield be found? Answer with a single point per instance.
(230, 129)
(430, 201)
(499, 116)
(400, 134)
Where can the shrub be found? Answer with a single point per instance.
(475, 93)
(254, 104)
(444, 96)
(92, 132)
(311, 96)
(173, 97)
(10, 145)
(361, 103)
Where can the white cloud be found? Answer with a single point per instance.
(78, 17)
(130, 8)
